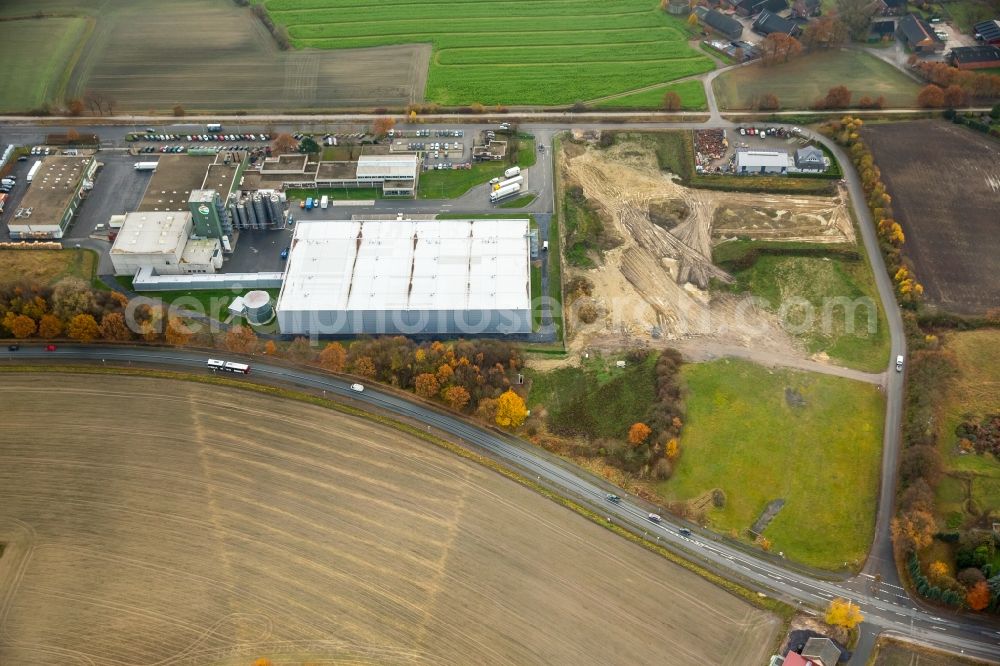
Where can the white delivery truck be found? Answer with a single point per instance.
(33, 170)
(145, 166)
(324, 202)
(511, 172)
(213, 127)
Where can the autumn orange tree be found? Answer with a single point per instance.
(83, 327)
(456, 397)
(978, 596)
(333, 357)
(639, 433)
(113, 327)
(20, 326)
(930, 97)
(914, 530)
(511, 410)
(843, 613)
(49, 326)
(671, 101)
(284, 143)
(270, 348)
(426, 385)
(177, 332)
(381, 126)
(241, 340)
(365, 367)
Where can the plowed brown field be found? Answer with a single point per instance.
(162, 522)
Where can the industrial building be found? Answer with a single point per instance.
(395, 173)
(162, 243)
(761, 161)
(407, 276)
(56, 187)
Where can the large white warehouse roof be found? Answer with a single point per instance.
(372, 265)
(387, 167)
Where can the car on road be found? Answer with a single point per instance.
(655, 518)
(684, 532)
(50, 347)
(614, 498)
(357, 387)
(899, 363)
(13, 347)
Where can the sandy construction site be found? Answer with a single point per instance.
(205, 525)
(654, 285)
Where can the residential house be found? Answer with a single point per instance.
(796, 659)
(768, 23)
(810, 158)
(754, 7)
(719, 22)
(882, 31)
(891, 7)
(823, 650)
(975, 57)
(918, 35)
(987, 31)
(806, 9)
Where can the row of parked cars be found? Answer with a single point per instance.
(152, 136)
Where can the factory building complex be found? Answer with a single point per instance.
(407, 276)
(58, 184)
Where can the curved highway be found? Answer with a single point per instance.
(890, 609)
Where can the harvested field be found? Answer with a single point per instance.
(44, 267)
(540, 52)
(211, 525)
(945, 183)
(32, 77)
(657, 278)
(893, 653)
(211, 55)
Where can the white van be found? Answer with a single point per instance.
(899, 363)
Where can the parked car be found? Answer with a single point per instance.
(284, 253)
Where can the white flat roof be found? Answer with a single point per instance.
(352, 265)
(152, 233)
(389, 167)
(762, 158)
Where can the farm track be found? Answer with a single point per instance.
(211, 525)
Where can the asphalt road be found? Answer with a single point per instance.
(889, 610)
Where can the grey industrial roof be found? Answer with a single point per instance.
(976, 54)
(988, 30)
(916, 30)
(358, 265)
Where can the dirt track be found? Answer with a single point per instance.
(150, 521)
(658, 278)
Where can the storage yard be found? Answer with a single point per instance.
(511, 53)
(218, 526)
(655, 279)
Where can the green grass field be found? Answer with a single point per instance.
(519, 202)
(800, 82)
(452, 183)
(824, 282)
(335, 193)
(541, 52)
(742, 435)
(596, 399)
(37, 55)
(692, 94)
(974, 392)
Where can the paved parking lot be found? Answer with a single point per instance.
(258, 252)
(118, 189)
(14, 196)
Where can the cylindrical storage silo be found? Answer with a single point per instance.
(258, 307)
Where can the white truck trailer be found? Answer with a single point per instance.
(324, 202)
(504, 192)
(511, 172)
(516, 180)
(33, 170)
(145, 166)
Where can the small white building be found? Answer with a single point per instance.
(761, 161)
(397, 174)
(161, 242)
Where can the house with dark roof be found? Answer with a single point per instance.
(975, 57)
(719, 22)
(987, 31)
(823, 650)
(892, 7)
(753, 7)
(768, 23)
(882, 31)
(917, 34)
(810, 158)
(805, 9)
